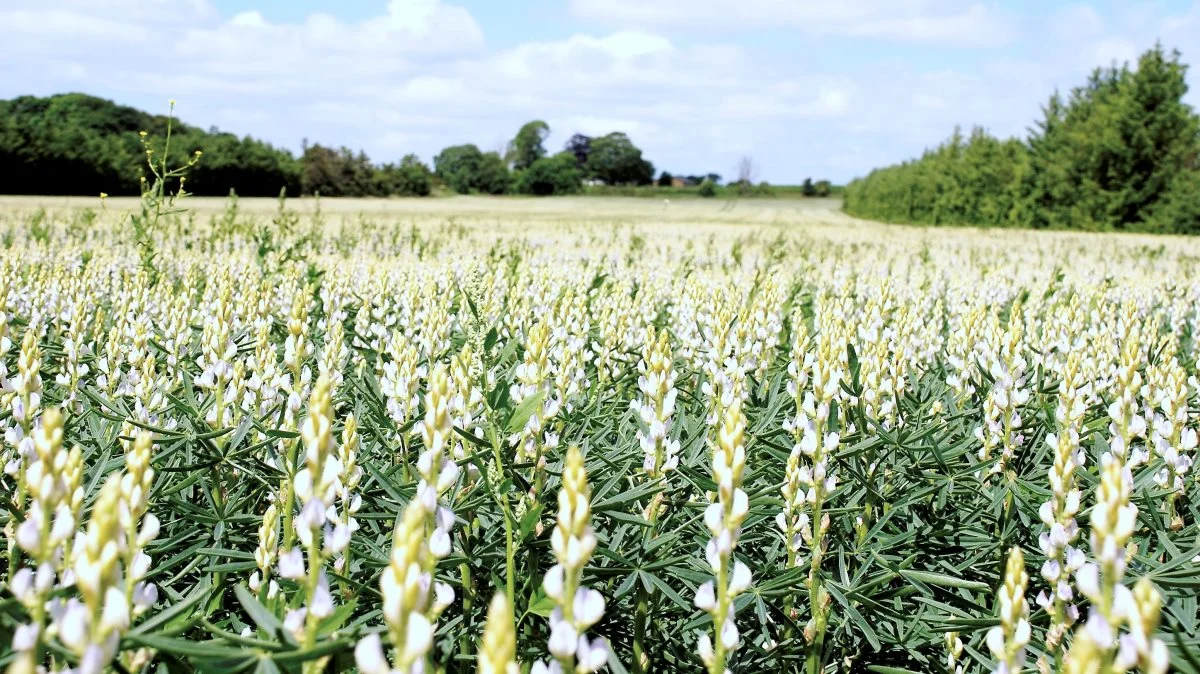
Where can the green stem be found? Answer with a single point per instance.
(311, 623)
(814, 575)
(510, 553)
(407, 470)
(289, 496)
(641, 659)
(465, 645)
(641, 618)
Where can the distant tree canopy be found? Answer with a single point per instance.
(580, 146)
(80, 144)
(527, 147)
(465, 169)
(1121, 152)
(551, 175)
(74, 143)
(412, 178)
(334, 173)
(617, 161)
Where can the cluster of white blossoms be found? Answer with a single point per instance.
(656, 408)
(1171, 438)
(569, 353)
(82, 589)
(1007, 641)
(954, 652)
(534, 377)
(498, 650)
(576, 606)
(794, 520)
(1113, 606)
(412, 599)
(723, 518)
(1057, 542)
(357, 402)
(809, 477)
(320, 535)
(400, 381)
(1002, 425)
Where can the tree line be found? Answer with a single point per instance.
(81, 144)
(1121, 152)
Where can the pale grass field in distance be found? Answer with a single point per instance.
(582, 434)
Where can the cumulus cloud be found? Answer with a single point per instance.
(929, 21)
(690, 82)
(190, 39)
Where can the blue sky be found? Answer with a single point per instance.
(821, 89)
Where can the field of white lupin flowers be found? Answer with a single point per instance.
(582, 435)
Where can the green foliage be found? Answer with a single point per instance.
(707, 188)
(963, 181)
(457, 165)
(79, 144)
(527, 147)
(617, 161)
(412, 178)
(465, 169)
(249, 166)
(492, 176)
(74, 143)
(335, 173)
(580, 146)
(1122, 152)
(550, 176)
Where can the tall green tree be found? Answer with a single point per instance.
(411, 178)
(465, 169)
(580, 146)
(528, 146)
(79, 144)
(335, 173)
(458, 166)
(1121, 151)
(551, 176)
(614, 159)
(493, 176)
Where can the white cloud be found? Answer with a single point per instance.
(928, 21)
(189, 36)
(976, 26)
(689, 81)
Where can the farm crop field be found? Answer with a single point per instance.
(577, 435)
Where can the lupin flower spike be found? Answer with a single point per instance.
(498, 650)
(724, 519)
(577, 607)
(1007, 641)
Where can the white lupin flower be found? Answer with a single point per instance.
(412, 599)
(724, 519)
(1058, 513)
(577, 607)
(1007, 641)
(657, 406)
(1113, 605)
